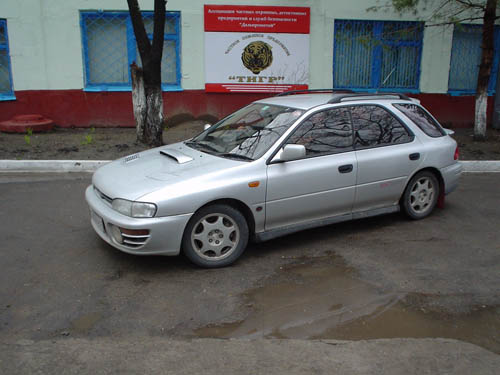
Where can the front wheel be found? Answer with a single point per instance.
(421, 195)
(215, 236)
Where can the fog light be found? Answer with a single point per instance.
(116, 233)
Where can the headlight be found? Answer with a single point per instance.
(142, 209)
(134, 209)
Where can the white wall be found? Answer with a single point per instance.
(46, 49)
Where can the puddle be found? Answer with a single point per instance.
(85, 323)
(329, 302)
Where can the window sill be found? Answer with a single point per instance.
(467, 93)
(164, 88)
(374, 91)
(5, 97)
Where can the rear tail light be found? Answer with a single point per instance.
(455, 157)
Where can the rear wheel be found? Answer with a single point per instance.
(215, 236)
(421, 195)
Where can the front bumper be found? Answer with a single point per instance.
(165, 233)
(451, 175)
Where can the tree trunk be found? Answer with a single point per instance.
(153, 130)
(147, 97)
(138, 101)
(148, 109)
(483, 78)
(496, 106)
(480, 115)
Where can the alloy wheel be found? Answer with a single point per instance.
(422, 195)
(215, 236)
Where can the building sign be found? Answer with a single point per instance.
(256, 48)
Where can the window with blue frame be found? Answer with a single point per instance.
(377, 55)
(6, 91)
(466, 57)
(109, 47)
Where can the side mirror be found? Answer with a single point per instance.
(291, 152)
(206, 126)
(449, 131)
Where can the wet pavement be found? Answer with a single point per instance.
(330, 302)
(383, 277)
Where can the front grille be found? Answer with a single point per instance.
(103, 196)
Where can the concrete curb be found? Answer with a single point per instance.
(483, 166)
(41, 166)
(152, 355)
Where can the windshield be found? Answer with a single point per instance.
(248, 133)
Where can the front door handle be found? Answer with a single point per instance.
(415, 156)
(346, 168)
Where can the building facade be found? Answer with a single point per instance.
(69, 60)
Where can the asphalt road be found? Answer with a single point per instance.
(438, 277)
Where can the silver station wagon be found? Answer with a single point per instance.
(279, 165)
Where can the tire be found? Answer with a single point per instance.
(420, 196)
(215, 236)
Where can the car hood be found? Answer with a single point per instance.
(139, 174)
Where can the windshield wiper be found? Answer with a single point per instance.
(212, 150)
(235, 156)
(204, 146)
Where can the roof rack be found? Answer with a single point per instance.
(333, 91)
(368, 96)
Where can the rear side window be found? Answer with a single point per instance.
(374, 126)
(326, 132)
(422, 119)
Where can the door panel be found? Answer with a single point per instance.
(384, 150)
(382, 174)
(309, 189)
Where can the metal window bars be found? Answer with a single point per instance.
(466, 57)
(6, 87)
(377, 55)
(109, 47)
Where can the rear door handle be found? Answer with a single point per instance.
(345, 168)
(415, 156)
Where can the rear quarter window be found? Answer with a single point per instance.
(422, 119)
(374, 126)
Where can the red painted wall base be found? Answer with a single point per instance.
(114, 109)
(453, 111)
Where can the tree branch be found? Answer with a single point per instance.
(158, 30)
(470, 4)
(454, 22)
(139, 31)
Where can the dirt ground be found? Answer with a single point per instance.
(112, 143)
(85, 144)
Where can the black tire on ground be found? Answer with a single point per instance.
(420, 196)
(215, 236)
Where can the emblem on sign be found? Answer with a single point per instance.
(257, 56)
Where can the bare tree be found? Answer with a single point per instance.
(146, 80)
(454, 12)
(483, 78)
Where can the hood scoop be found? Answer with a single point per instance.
(179, 157)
